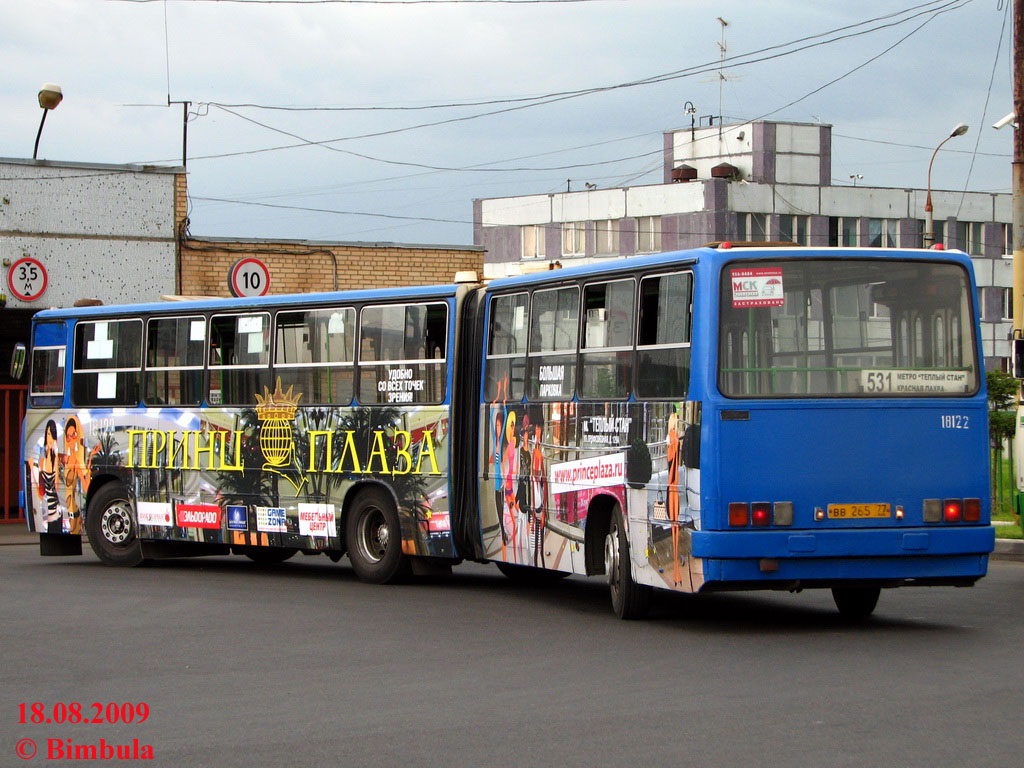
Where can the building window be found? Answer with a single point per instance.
(751, 228)
(970, 237)
(648, 234)
(1007, 238)
(878, 233)
(533, 241)
(842, 231)
(574, 238)
(607, 233)
(1007, 304)
(793, 229)
(890, 238)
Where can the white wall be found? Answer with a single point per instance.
(101, 231)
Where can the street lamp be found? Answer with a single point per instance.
(929, 234)
(49, 97)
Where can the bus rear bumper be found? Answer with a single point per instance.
(890, 557)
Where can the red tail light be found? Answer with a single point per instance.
(952, 510)
(972, 510)
(761, 513)
(738, 515)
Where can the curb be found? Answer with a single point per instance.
(1009, 549)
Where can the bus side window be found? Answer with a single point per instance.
(174, 360)
(314, 353)
(554, 328)
(239, 358)
(506, 347)
(403, 353)
(663, 341)
(107, 363)
(607, 354)
(49, 351)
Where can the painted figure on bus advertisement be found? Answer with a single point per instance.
(644, 455)
(77, 472)
(272, 474)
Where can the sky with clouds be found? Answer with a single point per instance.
(548, 96)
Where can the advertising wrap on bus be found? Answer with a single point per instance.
(716, 419)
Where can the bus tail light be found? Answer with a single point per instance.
(972, 510)
(738, 515)
(760, 513)
(952, 510)
(932, 511)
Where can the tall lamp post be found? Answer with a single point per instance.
(49, 97)
(929, 233)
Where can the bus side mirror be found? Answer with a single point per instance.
(1018, 357)
(18, 361)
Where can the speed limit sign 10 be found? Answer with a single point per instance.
(27, 279)
(249, 277)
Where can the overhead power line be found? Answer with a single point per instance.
(892, 19)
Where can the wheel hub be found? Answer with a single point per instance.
(116, 524)
(611, 556)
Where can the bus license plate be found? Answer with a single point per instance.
(857, 511)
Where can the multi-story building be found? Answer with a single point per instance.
(758, 181)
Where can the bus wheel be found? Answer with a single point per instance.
(856, 602)
(266, 555)
(374, 538)
(629, 599)
(111, 528)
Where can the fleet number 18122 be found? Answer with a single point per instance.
(955, 421)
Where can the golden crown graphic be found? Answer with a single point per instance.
(275, 410)
(277, 404)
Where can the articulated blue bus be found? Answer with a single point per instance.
(723, 418)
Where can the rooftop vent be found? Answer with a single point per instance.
(684, 173)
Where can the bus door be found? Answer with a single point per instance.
(46, 392)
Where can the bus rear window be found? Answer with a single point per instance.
(866, 328)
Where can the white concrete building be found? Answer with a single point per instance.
(750, 182)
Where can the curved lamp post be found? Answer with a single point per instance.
(49, 97)
(929, 234)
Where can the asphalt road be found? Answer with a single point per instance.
(300, 664)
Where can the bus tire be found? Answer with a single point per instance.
(266, 555)
(856, 602)
(528, 574)
(111, 527)
(374, 537)
(629, 599)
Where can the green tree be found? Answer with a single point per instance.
(1002, 421)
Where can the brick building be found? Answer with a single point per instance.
(303, 266)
